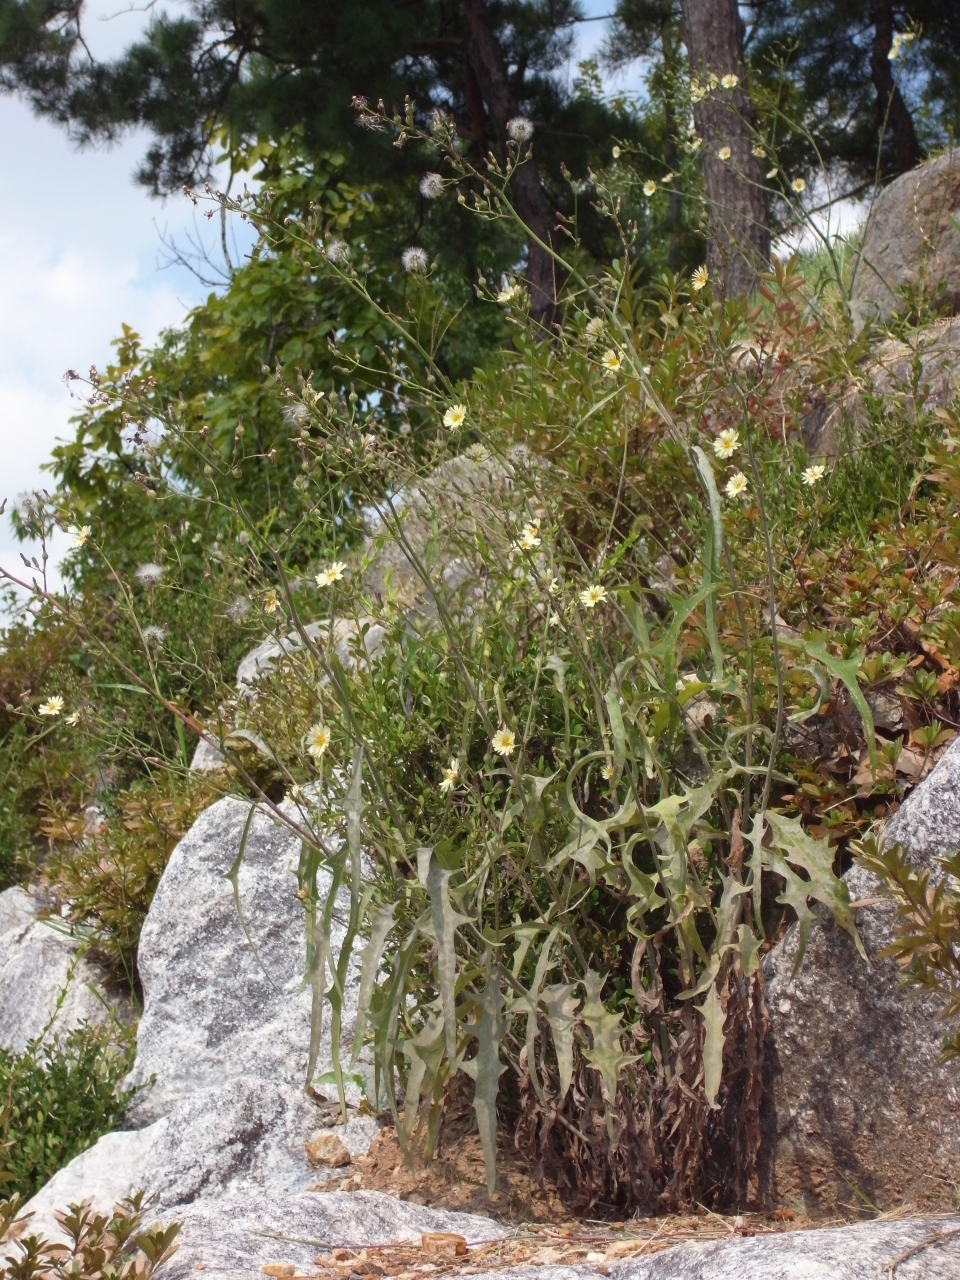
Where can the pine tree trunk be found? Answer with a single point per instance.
(739, 230)
(892, 111)
(530, 199)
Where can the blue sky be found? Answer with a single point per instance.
(81, 254)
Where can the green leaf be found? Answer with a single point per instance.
(713, 1039)
(446, 921)
(815, 857)
(370, 963)
(845, 670)
(606, 1055)
(560, 1005)
(486, 1069)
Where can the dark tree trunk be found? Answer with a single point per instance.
(892, 111)
(530, 199)
(739, 230)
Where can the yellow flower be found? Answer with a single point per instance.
(736, 486)
(649, 187)
(52, 707)
(318, 739)
(333, 573)
(508, 294)
(699, 279)
(758, 150)
(727, 442)
(455, 415)
(610, 361)
(530, 537)
(553, 585)
(590, 597)
(81, 536)
(615, 153)
(730, 81)
(504, 741)
(450, 776)
(607, 771)
(798, 185)
(594, 328)
(772, 173)
(813, 475)
(692, 145)
(697, 91)
(668, 177)
(723, 153)
(271, 602)
(72, 719)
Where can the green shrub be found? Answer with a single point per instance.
(107, 877)
(100, 1246)
(58, 1097)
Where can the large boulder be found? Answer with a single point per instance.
(220, 1071)
(861, 1110)
(910, 242)
(44, 981)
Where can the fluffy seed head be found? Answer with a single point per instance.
(520, 129)
(431, 186)
(148, 574)
(415, 260)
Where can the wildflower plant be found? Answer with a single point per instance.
(535, 726)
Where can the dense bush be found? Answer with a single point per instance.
(59, 1096)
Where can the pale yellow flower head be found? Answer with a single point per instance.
(455, 416)
(772, 173)
(607, 771)
(699, 279)
(504, 741)
(798, 185)
(649, 187)
(529, 536)
(723, 153)
(813, 475)
(510, 293)
(271, 601)
(610, 361)
(593, 595)
(52, 707)
(318, 739)
(736, 486)
(72, 719)
(727, 442)
(82, 535)
(333, 573)
(758, 150)
(730, 81)
(450, 776)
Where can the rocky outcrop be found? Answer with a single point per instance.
(862, 1111)
(865, 1251)
(43, 981)
(220, 1071)
(910, 242)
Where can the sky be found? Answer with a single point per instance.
(81, 254)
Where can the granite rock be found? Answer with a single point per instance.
(220, 1071)
(861, 1110)
(38, 964)
(910, 242)
(861, 1251)
(928, 821)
